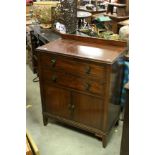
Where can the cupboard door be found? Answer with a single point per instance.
(87, 110)
(56, 101)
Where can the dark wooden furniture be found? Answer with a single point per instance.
(127, 5)
(36, 39)
(98, 6)
(125, 135)
(81, 16)
(31, 144)
(80, 82)
(93, 12)
(117, 17)
(28, 148)
(120, 9)
(124, 23)
(115, 20)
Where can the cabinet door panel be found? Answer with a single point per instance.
(57, 101)
(87, 110)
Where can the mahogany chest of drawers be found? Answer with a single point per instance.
(80, 84)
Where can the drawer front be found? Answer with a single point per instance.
(52, 62)
(73, 82)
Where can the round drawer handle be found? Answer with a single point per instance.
(53, 62)
(54, 78)
(87, 70)
(87, 86)
(73, 106)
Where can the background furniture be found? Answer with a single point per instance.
(118, 16)
(92, 6)
(36, 38)
(32, 148)
(102, 22)
(120, 9)
(123, 23)
(127, 5)
(80, 82)
(28, 148)
(115, 21)
(125, 135)
(81, 16)
(33, 42)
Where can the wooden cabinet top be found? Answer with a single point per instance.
(99, 52)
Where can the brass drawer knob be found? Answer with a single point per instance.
(53, 62)
(71, 107)
(54, 78)
(87, 70)
(87, 86)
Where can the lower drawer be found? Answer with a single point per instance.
(74, 82)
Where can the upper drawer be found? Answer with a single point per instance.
(71, 65)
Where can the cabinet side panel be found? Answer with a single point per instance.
(115, 92)
(41, 82)
(106, 98)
